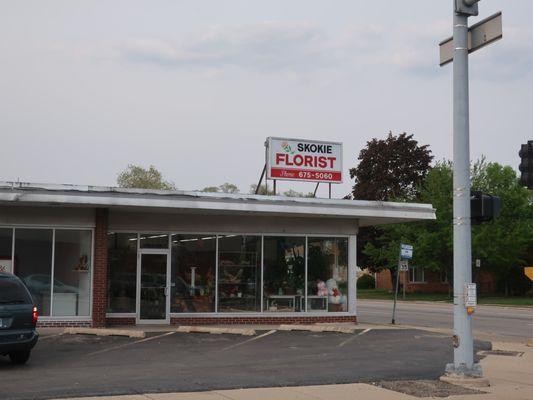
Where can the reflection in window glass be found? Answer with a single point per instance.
(72, 273)
(121, 272)
(193, 273)
(153, 241)
(33, 264)
(327, 274)
(239, 273)
(6, 243)
(284, 274)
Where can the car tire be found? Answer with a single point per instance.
(20, 357)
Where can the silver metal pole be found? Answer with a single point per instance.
(462, 252)
(396, 290)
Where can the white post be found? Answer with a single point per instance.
(352, 274)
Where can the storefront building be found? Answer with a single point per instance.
(96, 256)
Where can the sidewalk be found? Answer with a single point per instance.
(511, 378)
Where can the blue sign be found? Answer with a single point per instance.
(406, 251)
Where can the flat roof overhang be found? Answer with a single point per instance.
(366, 213)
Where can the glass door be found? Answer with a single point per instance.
(153, 287)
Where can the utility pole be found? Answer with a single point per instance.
(457, 49)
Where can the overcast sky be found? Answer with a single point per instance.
(194, 87)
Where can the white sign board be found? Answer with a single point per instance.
(404, 265)
(406, 251)
(304, 160)
(470, 295)
(6, 266)
(479, 35)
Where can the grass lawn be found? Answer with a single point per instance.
(381, 294)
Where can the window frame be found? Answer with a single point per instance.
(51, 317)
(412, 274)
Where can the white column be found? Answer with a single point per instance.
(352, 274)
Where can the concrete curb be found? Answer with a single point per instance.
(105, 332)
(216, 331)
(466, 382)
(317, 328)
(442, 302)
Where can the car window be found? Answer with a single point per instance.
(12, 291)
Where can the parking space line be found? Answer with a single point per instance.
(353, 337)
(130, 344)
(249, 340)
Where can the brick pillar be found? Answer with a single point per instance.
(100, 267)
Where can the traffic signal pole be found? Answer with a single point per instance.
(462, 252)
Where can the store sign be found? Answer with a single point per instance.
(304, 160)
(6, 266)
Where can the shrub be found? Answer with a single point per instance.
(366, 282)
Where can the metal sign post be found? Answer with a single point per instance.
(406, 253)
(480, 35)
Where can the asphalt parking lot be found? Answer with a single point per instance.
(85, 365)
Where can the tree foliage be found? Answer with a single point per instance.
(503, 245)
(390, 168)
(224, 188)
(136, 176)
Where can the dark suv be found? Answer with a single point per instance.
(18, 318)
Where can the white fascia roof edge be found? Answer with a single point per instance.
(118, 197)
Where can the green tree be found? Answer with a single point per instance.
(389, 169)
(224, 188)
(504, 244)
(294, 193)
(136, 176)
(433, 240)
(262, 190)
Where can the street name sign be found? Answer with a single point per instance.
(304, 160)
(406, 251)
(480, 35)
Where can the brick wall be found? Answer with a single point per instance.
(120, 321)
(100, 268)
(265, 320)
(63, 324)
(384, 280)
(433, 283)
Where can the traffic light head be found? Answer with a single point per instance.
(467, 7)
(526, 164)
(484, 207)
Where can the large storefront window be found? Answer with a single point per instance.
(33, 264)
(72, 273)
(122, 272)
(6, 248)
(327, 274)
(284, 274)
(239, 273)
(193, 273)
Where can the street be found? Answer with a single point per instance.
(505, 323)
